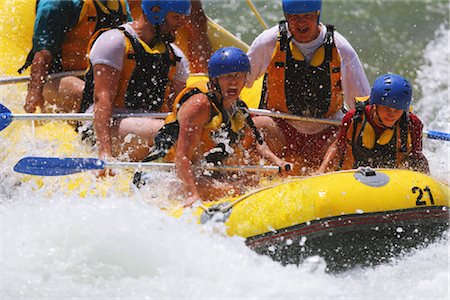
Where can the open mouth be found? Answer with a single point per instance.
(303, 30)
(232, 92)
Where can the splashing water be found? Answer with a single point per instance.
(112, 244)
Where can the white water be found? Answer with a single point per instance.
(434, 107)
(57, 247)
(122, 249)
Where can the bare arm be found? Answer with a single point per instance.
(193, 115)
(416, 160)
(105, 90)
(329, 158)
(175, 87)
(265, 152)
(199, 46)
(42, 62)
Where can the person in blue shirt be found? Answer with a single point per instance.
(62, 32)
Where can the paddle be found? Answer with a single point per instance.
(431, 134)
(19, 79)
(53, 166)
(280, 115)
(6, 117)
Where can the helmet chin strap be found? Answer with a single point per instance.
(214, 86)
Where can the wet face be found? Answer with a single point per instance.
(171, 24)
(388, 115)
(231, 85)
(304, 27)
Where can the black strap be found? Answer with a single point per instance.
(263, 100)
(283, 37)
(243, 106)
(329, 42)
(357, 118)
(28, 61)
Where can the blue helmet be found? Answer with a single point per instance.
(156, 10)
(228, 60)
(293, 7)
(391, 90)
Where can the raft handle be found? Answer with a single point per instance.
(366, 171)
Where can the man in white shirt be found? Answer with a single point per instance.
(310, 70)
(135, 68)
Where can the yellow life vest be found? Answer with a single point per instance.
(233, 126)
(365, 148)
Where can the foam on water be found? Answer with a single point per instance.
(56, 245)
(434, 108)
(127, 249)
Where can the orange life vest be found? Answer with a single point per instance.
(292, 85)
(94, 15)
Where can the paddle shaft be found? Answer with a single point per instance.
(54, 166)
(6, 117)
(85, 116)
(431, 134)
(280, 115)
(19, 79)
(90, 116)
(170, 166)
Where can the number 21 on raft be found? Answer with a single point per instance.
(419, 201)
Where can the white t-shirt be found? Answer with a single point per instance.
(354, 80)
(109, 49)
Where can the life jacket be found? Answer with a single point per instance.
(364, 149)
(293, 85)
(220, 135)
(94, 15)
(144, 77)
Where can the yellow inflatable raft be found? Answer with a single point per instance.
(351, 217)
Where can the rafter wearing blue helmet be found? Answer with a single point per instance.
(383, 134)
(310, 70)
(144, 70)
(210, 125)
(227, 68)
(225, 61)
